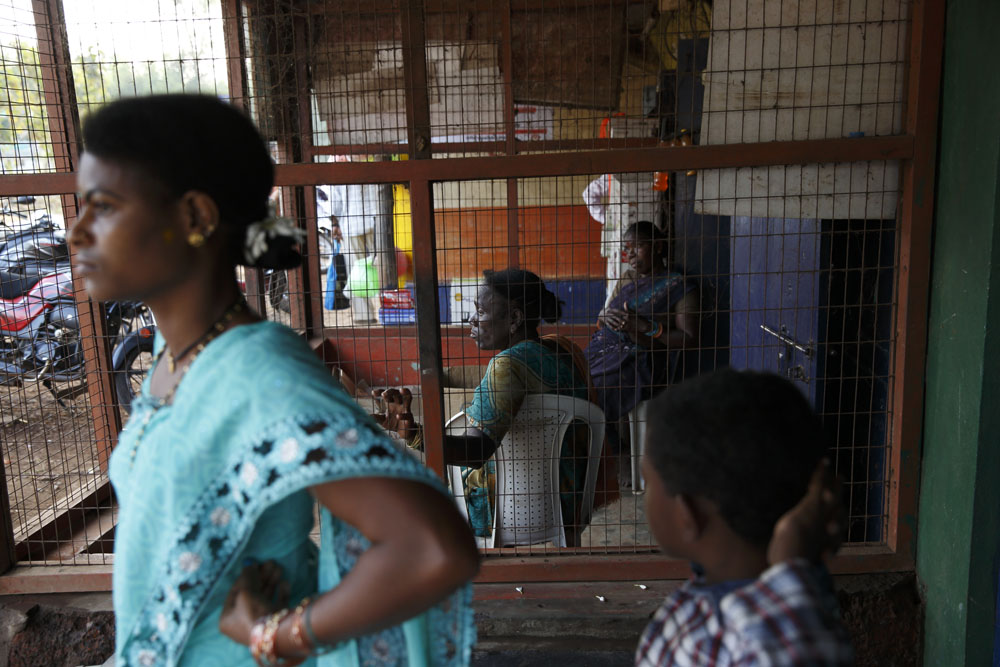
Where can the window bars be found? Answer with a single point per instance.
(424, 145)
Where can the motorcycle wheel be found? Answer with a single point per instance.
(64, 327)
(277, 291)
(128, 379)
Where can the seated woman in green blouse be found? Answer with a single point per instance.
(510, 305)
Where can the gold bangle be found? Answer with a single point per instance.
(256, 636)
(298, 634)
(268, 645)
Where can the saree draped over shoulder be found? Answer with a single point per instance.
(623, 372)
(221, 475)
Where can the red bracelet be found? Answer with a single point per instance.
(656, 331)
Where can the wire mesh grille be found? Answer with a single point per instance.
(26, 145)
(794, 266)
(55, 435)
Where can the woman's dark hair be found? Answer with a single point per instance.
(644, 230)
(195, 142)
(527, 291)
(747, 441)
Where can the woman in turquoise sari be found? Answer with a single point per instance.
(239, 431)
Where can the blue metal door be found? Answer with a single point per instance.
(775, 292)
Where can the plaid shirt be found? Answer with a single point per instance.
(788, 616)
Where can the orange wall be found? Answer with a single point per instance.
(388, 356)
(557, 242)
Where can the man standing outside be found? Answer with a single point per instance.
(605, 202)
(364, 215)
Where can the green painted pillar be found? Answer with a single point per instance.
(958, 541)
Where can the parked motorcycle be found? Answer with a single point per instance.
(40, 334)
(133, 355)
(39, 324)
(37, 249)
(40, 329)
(18, 214)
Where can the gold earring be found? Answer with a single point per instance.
(196, 239)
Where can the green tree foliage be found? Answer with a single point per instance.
(99, 79)
(24, 132)
(25, 141)
(190, 62)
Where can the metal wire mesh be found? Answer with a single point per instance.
(795, 264)
(55, 443)
(26, 143)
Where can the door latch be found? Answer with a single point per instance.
(788, 341)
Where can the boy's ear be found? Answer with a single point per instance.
(692, 517)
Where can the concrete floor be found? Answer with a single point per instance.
(620, 523)
(549, 658)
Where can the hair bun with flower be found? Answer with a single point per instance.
(270, 239)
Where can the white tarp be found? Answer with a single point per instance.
(790, 71)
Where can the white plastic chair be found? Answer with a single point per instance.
(527, 508)
(637, 435)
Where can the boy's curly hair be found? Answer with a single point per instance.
(745, 440)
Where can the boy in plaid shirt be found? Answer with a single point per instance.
(736, 483)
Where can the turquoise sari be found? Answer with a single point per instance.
(221, 475)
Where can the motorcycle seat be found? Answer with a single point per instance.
(14, 286)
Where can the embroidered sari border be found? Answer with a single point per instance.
(288, 456)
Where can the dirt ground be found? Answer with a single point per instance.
(49, 453)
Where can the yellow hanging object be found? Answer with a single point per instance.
(402, 231)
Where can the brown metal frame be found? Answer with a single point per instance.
(236, 76)
(915, 149)
(510, 147)
(64, 122)
(913, 284)
(668, 158)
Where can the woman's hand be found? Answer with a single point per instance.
(625, 321)
(617, 319)
(610, 318)
(259, 591)
(397, 415)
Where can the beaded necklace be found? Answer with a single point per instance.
(201, 341)
(213, 332)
